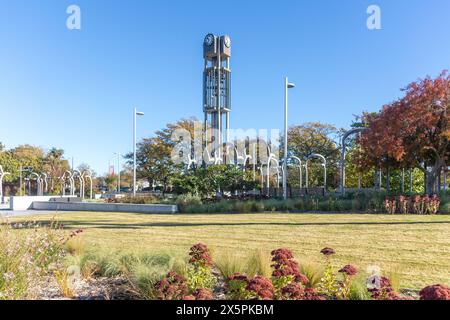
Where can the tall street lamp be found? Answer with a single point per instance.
(135, 114)
(118, 171)
(287, 86)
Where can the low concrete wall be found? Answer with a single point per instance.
(105, 207)
(25, 202)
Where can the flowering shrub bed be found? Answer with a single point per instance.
(199, 281)
(33, 252)
(285, 283)
(415, 205)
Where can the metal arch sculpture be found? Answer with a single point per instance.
(216, 159)
(269, 161)
(38, 183)
(77, 173)
(40, 186)
(324, 164)
(88, 174)
(344, 148)
(191, 162)
(299, 166)
(71, 182)
(63, 184)
(2, 175)
(45, 181)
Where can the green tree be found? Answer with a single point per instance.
(315, 137)
(55, 166)
(153, 155)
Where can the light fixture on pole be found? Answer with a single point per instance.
(118, 171)
(287, 85)
(135, 114)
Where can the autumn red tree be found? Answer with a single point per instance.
(413, 131)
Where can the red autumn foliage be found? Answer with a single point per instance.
(203, 294)
(238, 277)
(327, 251)
(172, 287)
(261, 287)
(385, 291)
(200, 255)
(435, 292)
(412, 131)
(293, 291)
(349, 270)
(285, 265)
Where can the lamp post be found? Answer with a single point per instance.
(287, 86)
(118, 171)
(135, 114)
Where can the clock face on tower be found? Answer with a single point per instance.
(227, 41)
(209, 40)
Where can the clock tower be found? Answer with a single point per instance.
(216, 90)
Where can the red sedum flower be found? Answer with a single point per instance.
(262, 287)
(203, 294)
(349, 270)
(435, 292)
(327, 251)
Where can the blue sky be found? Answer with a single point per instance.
(76, 89)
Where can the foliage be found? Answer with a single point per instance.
(315, 137)
(382, 289)
(27, 252)
(416, 204)
(348, 272)
(236, 286)
(209, 181)
(51, 162)
(435, 292)
(260, 288)
(199, 270)
(328, 284)
(172, 287)
(287, 280)
(412, 131)
(153, 155)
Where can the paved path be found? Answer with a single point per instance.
(6, 213)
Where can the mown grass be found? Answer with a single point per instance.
(417, 248)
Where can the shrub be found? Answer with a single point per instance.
(287, 280)
(243, 206)
(202, 294)
(136, 200)
(258, 206)
(403, 204)
(328, 284)
(348, 272)
(390, 205)
(199, 271)
(435, 292)
(187, 200)
(382, 289)
(260, 288)
(26, 255)
(172, 287)
(236, 286)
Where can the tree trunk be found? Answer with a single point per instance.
(388, 176)
(431, 178)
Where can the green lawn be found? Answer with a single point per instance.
(416, 247)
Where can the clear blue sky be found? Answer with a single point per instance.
(76, 89)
